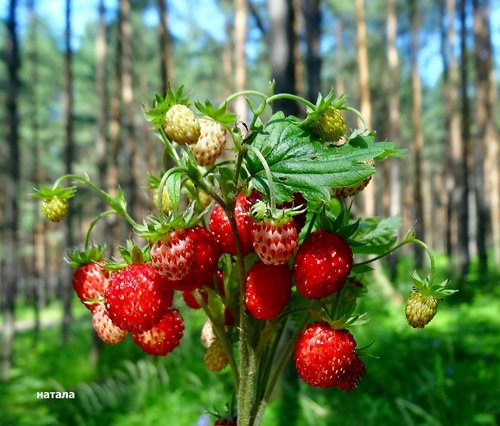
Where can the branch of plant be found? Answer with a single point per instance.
(268, 173)
(93, 224)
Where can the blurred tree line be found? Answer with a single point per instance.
(75, 105)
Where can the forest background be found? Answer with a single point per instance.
(75, 77)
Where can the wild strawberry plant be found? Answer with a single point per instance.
(262, 239)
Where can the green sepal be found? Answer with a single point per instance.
(424, 286)
(221, 115)
(160, 105)
(77, 258)
(322, 104)
(47, 192)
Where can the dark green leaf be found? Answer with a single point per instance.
(375, 235)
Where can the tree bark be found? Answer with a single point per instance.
(339, 55)
(368, 195)
(466, 154)
(66, 288)
(312, 17)
(418, 139)
(240, 57)
(166, 68)
(393, 133)
(487, 185)
(282, 40)
(11, 206)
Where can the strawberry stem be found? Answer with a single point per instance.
(93, 224)
(357, 113)
(268, 173)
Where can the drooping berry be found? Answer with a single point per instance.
(137, 298)
(164, 337)
(89, 282)
(173, 254)
(322, 264)
(55, 208)
(330, 125)
(275, 240)
(420, 309)
(181, 125)
(104, 327)
(210, 144)
(268, 290)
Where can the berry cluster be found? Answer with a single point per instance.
(261, 241)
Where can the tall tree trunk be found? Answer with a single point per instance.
(115, 124)
(240, 57)
(312, 17)
(38, 222)
(298, 28)
(452, 171)
(339, 55)
(466, 154)
(11, 206)
(166, 68)
(394, 114)
(127, 95)
(66, 288)
(418, 139)
(487, 139)
(368, 195)
(282, 40)
(227, 56)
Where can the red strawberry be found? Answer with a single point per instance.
(104, 327)
(268, 290)
(322, 264)
(89, 283)
(221, 228)
(323, 354)
(164, 337)
(137, 297)
(204, 266)
(352, 375)
(191, 299)
(173, 254)
(275, 240)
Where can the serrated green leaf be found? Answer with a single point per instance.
(300, 163)
(375, 235)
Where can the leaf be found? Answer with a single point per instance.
(375, 235)
(218, 114)
(300, 163)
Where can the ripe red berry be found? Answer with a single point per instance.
(191, 299)
(221, 228)
(204, 266)
(164, 337)
(104, 327)
(323, 355)
(173, 254)
(268, 290)
(352, 375)
(137, 297)
(275, 240)
(89, 283)
(322, 265)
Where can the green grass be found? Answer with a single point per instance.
(446, 374)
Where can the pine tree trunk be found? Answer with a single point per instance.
(487, 184)
(66, 288)
(452, 171)
(298, 28)
(240, 59)
(115, 124)
(312, 16)
(393, 133)
(166, 68)
(282, 41)
(368, 195)
(466, 154)
(418, 139)
(11, 206)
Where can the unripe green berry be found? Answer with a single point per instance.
(55, 209)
